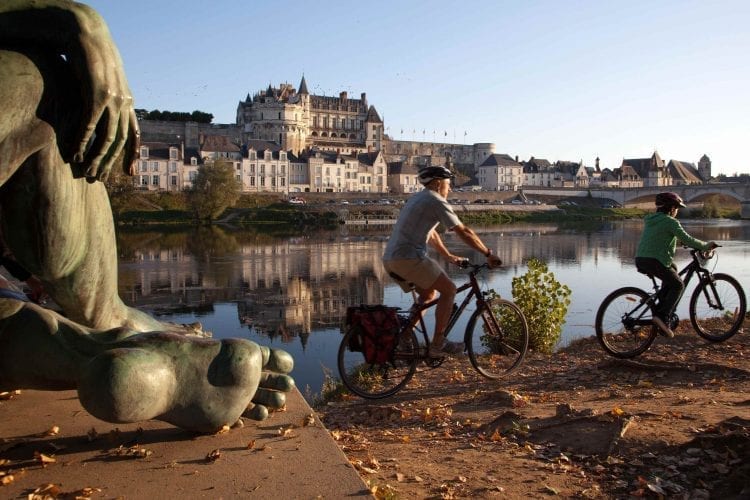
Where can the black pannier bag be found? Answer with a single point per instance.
(375, 331)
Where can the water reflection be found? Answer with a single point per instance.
(295, 290)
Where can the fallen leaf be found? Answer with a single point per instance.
(308, 420)
(251, 444)
(550, 490)
(43, 459)
(52, 431)
(213, 456)
(224, 429)
(5, 480)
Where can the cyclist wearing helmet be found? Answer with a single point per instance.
(656, 251)
(406, 259)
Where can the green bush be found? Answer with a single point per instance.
(544, 302)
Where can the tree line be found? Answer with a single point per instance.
(174, 116)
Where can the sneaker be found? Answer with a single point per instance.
(663, 326)
(447, 349)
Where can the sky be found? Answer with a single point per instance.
(559, 79)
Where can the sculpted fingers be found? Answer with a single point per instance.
(277, 360)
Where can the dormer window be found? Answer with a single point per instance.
(282, 155)
(253, 155)
(193, 161)
(144, 152)
(267, 155)
(172, 153)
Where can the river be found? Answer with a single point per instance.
(292, 292)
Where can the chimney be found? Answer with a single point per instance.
(343, 96)
(516, 158)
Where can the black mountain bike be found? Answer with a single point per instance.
(496, 339)
(717, 310)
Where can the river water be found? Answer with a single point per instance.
(292, 292)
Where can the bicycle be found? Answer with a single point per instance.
(496, 339)
(717, 309)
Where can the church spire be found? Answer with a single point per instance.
(303, 86)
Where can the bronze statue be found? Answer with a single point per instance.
(67, 120)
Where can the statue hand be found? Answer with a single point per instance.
(274, 383)
(108, 125)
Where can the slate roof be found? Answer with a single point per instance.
(372, 116)
(536, 165)
(500, 160)
(160, 150)
(684, 170)
(401, 168)
(368, 158)
(644, 165)
(219, 143)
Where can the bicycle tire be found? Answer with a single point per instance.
(623, 339)
(377, 380)
(712, 323)
(497, 337)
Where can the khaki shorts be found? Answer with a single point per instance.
(423, 273)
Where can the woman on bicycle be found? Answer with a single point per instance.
(656, 251)
(406, 260)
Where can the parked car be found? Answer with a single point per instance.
(516, 202)
(296, 200)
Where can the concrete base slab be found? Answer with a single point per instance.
(281, 457)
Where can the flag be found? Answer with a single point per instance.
(445, 133)
(464, 133)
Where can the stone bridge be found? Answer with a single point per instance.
(691, 194)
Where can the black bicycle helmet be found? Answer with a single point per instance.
(668, 200)
(429, 174)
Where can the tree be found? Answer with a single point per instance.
(174, 116)
(120, 188)
(214, 190)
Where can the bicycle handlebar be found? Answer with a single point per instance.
(466, 264)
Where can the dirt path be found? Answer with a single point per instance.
(674, 422)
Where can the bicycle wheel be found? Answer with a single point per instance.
(377, 380)
(497, 338)
(623, 323)
(717, 308)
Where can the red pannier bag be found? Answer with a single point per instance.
(376, 329)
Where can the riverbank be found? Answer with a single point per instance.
(268, 213)
(674, 422)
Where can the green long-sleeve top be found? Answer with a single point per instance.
(659, 238)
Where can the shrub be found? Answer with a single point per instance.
(544, 302)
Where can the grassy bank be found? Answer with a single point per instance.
(264, 210)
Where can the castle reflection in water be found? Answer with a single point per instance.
(293, 286)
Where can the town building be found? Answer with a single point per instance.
(288, 140)
(500, 172)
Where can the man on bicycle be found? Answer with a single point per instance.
(406, 259)
(656, 251)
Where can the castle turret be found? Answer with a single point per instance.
(373, 130)
(704, 168)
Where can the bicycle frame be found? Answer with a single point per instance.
(416, 316)
(691, 268)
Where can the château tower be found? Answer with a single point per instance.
(704, 168)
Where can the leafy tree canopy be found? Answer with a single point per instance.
(174, 116)
(214, 190)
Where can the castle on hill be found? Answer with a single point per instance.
(288, 140)
(298, 121)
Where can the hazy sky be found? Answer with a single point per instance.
(561, 80)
